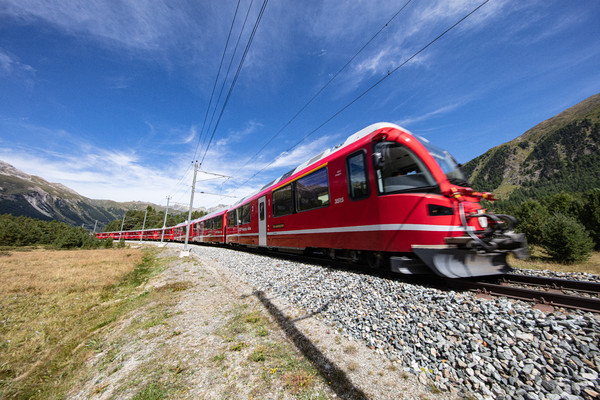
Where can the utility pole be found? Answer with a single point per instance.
(95, 225)
(143, 225)
(165, 221)
(185, 251)
(122, 223)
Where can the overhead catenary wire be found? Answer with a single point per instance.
(257, 23)
(211, 97)
(233, 53)
(367, 90)
(216, 79)
(324, 86)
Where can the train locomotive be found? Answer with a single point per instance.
(385, 198)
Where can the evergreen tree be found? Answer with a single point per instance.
(532, 217)
(590, 214)
(566, 240)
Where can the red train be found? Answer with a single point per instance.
(384, 197)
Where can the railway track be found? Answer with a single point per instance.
(543, 291)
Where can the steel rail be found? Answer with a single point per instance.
(537, 296)
(554, 283)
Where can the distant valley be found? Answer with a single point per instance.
(34, 197)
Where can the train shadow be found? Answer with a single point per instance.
(339, 381)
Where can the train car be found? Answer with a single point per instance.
(386, 197)
(209, 228)
(178, 232)
(242, 226)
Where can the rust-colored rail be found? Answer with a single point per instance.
(554, 283)
(552, 298)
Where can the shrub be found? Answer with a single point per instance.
(590, 214)
(531, 217)
(566, 240)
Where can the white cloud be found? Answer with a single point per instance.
(406, 122)
(300, 154)
(191, 136)
(10, 65)
(139, 24)
(237, 135)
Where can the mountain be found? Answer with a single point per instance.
(32, 196)
(559, 154)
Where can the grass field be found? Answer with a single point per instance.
(540, 261)
(57, 306)
(52, 304)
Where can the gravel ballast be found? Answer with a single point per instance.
(492, 349)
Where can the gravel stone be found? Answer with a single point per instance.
(454, 336)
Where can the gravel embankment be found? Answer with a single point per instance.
(498, 349)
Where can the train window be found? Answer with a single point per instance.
(312, 191)
(261, 212)
(402, 170)
(245, 214)
(283, 202)
(231, 218)
(358, 184)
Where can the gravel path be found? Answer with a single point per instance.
(492, 349)
(207, 334)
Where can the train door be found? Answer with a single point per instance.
(262, 222)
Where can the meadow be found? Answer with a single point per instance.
(53, 305)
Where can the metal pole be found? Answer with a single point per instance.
(122, 223)
(187, 230)
(95, 225)
(165, 221)
(143, 225)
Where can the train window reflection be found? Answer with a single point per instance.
(402, 170)
(312, 191)
(283, 202)
(358, 187)
(231, 218)
(245, 214)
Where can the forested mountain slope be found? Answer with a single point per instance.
(559, 154)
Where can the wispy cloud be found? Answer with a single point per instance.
(251, 127)
(99, 175)
(10, 65)
(408, 121)
(139, 24)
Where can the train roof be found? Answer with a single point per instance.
(351, 139)
(210, 215)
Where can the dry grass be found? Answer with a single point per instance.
(540, 261)
(52, 305)
(51, 271)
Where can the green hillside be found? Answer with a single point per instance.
(559, 154)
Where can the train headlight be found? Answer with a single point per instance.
(482, 220)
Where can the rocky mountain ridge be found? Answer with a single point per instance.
(33, 196)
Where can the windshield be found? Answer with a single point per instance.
(447, 163)
(401, 170)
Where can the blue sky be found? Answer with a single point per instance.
(109, 97)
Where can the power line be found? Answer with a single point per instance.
(230, 64)
(211, 97)
(326, 85)
(368, 90)
(217, 78)
(258, 19)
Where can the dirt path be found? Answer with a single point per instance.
(206, 335)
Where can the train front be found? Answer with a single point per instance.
(462, 239)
